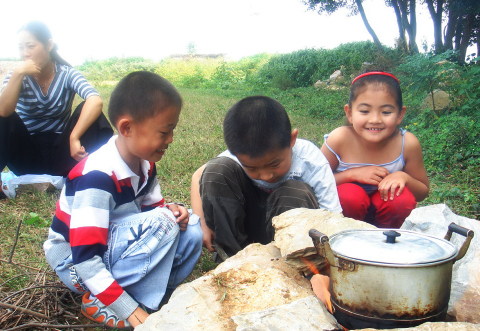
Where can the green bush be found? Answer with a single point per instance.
(468, 89)
(303, 68)
(450, 143)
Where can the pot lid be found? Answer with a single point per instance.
(407, 248)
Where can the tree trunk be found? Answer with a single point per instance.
(467, 31)
(413, 26)
(450, 32)
(402, 43)
(458, 33)
(367, 25)
(478, 44)
(437, 23)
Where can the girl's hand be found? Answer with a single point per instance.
(371, 175)
(28, 67)
(77, 151)
(392, 185)
(182, 215)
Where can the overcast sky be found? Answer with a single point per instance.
(154, 29)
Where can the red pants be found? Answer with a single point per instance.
(357, 204)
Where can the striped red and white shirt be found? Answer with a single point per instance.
(51, 112)
(99, 191)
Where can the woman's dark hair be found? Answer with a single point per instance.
(40, 31)
(255, 126)
(362, 82)
(142, 95)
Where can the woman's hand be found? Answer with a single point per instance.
(77, 151)
(182, 215)
(392, 185)
(28, 68)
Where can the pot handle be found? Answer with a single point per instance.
(322, 246)
(464, 232)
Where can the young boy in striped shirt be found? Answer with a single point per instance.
(113, 237)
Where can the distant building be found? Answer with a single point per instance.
(220, 56)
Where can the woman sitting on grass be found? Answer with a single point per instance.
(38, 133)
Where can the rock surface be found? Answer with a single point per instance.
(293, 241)
(255, 279)
(440, 100)
(304, 314)
(464, 303)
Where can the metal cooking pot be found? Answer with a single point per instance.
(389, 278)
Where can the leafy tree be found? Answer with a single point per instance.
(355, 6)
(462, 25)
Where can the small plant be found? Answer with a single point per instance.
(423, 73)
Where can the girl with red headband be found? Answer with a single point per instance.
(378, 167)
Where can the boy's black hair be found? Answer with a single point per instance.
(142, 95)
(256, 125)
(390, 83)
(42, 33)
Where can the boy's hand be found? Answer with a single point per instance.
(394, 182)
(208, 235)
(138, 317)
(182, 215)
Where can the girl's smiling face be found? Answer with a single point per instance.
(374, 114)
(31, 48)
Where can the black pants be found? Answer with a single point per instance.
(239, 212)
(46, 152)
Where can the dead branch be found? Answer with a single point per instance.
(51, 326)
(15, 242)
(24, 310)
(33, 287)
(26, 266)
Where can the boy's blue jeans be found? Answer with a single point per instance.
(147, 255)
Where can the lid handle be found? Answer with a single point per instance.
(391, 235)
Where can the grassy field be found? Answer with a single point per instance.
(198, 137)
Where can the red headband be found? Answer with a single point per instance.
(375, 73)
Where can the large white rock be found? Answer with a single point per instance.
(307, 314)
(464, 302)
(293, 241)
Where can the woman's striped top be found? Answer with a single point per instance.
(50, 113)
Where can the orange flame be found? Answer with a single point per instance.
(320, 285)
(310, 266)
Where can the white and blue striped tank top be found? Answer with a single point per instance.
(396, 165)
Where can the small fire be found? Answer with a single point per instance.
(320, 285)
